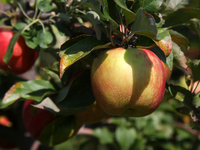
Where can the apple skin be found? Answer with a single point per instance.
(93, 114)
(168, 72)
(23, 57)
(128, 82)
(35, 123)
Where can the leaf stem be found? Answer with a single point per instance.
(5, 13)
(24, 12)
(36, 10)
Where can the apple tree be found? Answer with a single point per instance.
(99, 74)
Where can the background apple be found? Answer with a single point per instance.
(93, 114)
(37, 123)
(128, 82)
(23, 57)
(4, 144)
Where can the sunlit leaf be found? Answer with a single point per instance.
(77, 51)
(179, 57)
(179, 39)
(33, 90)
(48, 104)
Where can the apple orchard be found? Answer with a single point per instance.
(100, 74)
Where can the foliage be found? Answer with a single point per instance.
(69, 34)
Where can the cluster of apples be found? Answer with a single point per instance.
(125, 82)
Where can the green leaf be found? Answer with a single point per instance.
(10, 48)
(111, 13)
(125, 137)
(20, 25)
(33, 89)
(195, 68)
(48, 104)
(144, 24)
(77, 51)
(54, 76)
(58, 131)
(183, 110)
(181, 16)
(195, 25)
(181, 94)
(104, 135)
(70, 42)
(94, 19)
(176, 4)
(65, 17)
(78, 96)
(129, 15)
(148, 5)
(45, 5)
(179, 39)
(5, 1)
(10, 96)
(179, 57)
(169, 61)
(45, 38)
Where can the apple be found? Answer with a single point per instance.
(4, 121)
(128, 82)
(4, 144)
(168, 72)
(23, 57)
(195, 86)
(36, 122)
(93, 114)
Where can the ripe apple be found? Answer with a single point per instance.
(128, 82)
(23, 57)
(93, 114)
(168, 72)
(4, 144)
(4, 121)
(36, 122)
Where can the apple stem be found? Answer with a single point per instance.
(126, 39)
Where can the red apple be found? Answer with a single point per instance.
(128, 82)
(93, 114)
(4, 144)
(4, 121)
(23, 57)
(168, 72)
(35, 124)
